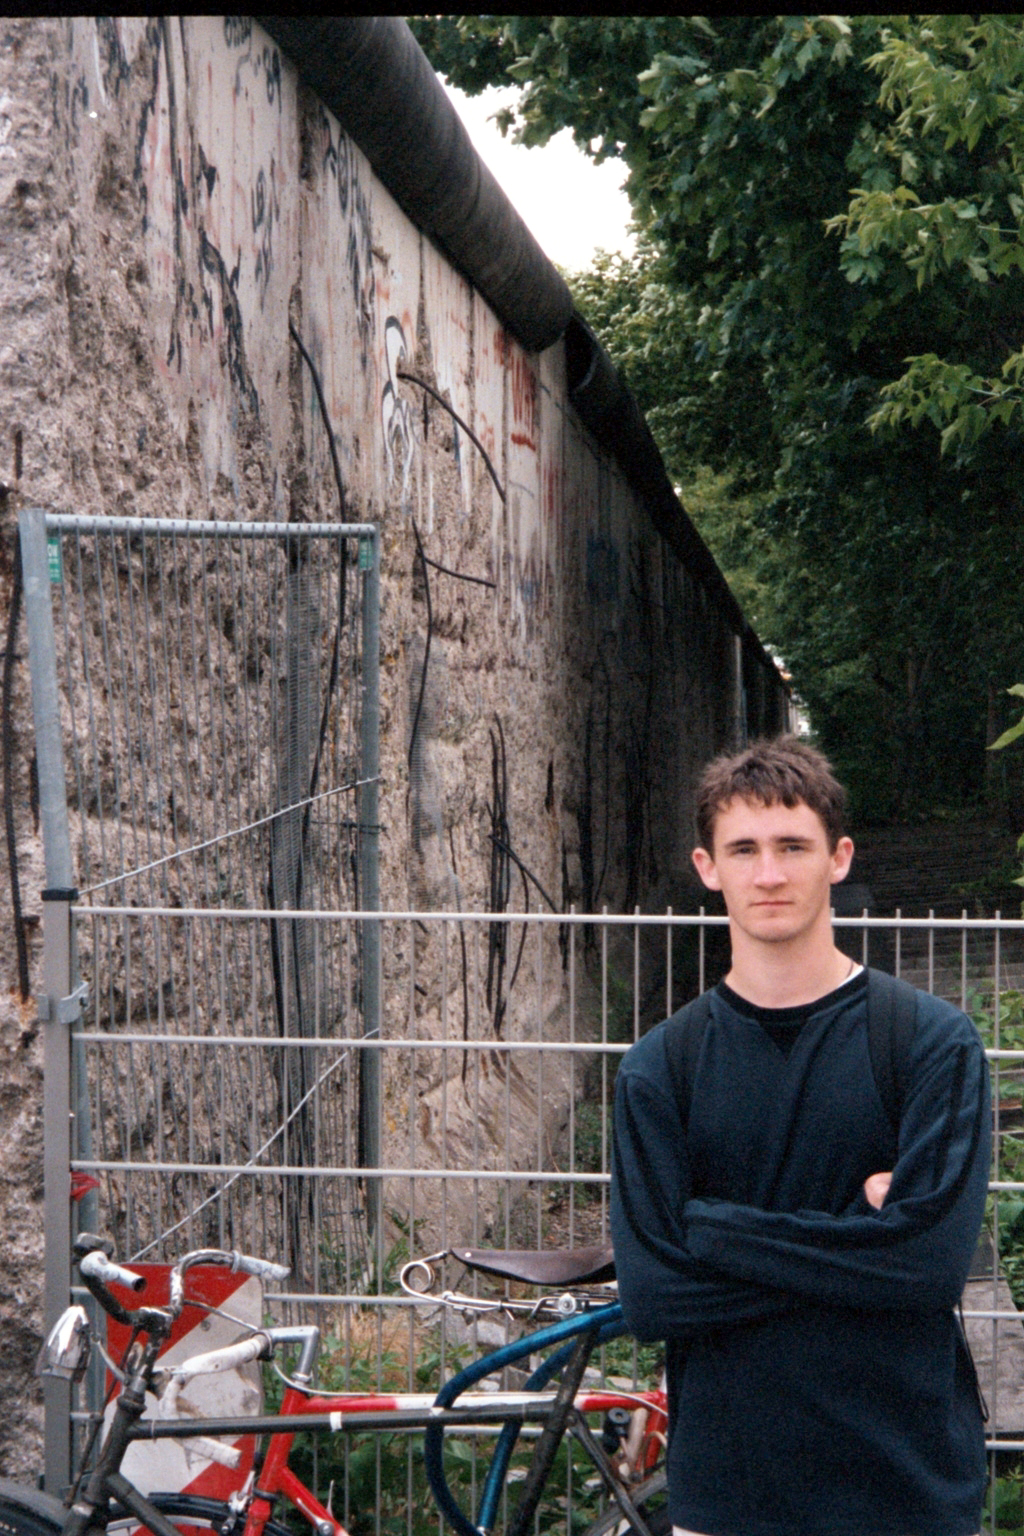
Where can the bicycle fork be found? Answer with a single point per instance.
(89, 1512)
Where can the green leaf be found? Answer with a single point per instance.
(809, 221)
(1012, 734)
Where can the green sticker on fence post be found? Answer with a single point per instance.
(53, 559)
(366, 554)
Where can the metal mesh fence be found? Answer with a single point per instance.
(490, 1139)
(211, 677)
(215, 727)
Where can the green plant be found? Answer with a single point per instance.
(1011, 734)
(1007, 1506)
(1005, 1212)
(624, 1357)
(589, 1145)
(830, 239)
(399, 1252)
(382, 1472)
(981, 1008)
(619, 1015)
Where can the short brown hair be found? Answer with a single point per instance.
(783, 771)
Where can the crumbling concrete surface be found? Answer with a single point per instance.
(173, 203)
(30, 217)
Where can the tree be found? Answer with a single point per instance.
(945, 203)
(766, 321)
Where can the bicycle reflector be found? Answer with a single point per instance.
(66, 1351)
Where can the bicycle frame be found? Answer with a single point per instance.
(367, 1412)
(570, 1340)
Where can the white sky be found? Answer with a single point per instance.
(571, 205)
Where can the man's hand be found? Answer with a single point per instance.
(876, 1187)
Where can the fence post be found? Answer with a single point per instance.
(58, 974)
(369, 874)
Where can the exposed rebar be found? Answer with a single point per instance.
(414, 378)
(14, 615)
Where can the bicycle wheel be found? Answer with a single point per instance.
(651, 1499)
(24, 1512)
(189, 1512)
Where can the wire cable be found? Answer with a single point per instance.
(323, 412)
(413, 378)
(481, 581)
(426, 648)
(8, 748)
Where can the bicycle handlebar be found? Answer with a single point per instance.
(574, 1336)
(96, 1266)
(263, 1269)
(229, 1357)
(98, 1270)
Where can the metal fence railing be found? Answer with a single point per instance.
(206, 709)
(486, 1138)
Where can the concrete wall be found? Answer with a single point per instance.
(171, 196)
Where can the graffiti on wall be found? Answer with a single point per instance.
(265, 61)
(206, 121)
(523, 392)
(188, 213)
(395, 412)
(266, 212)
(339, 162)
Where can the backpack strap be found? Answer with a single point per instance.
(892, 1019)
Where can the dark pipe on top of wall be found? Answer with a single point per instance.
(373, 75)
(612, 416)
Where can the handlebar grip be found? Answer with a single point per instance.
(266, 1269)
(96, 1266)
(86, 1242)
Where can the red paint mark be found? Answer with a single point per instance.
(552, 493)
(523, 386)
(524, 392)
(523, 441)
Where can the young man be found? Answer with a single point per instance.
(802, 1259)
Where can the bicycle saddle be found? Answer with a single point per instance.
(577, 1266)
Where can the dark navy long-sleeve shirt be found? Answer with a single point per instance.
(819, 1383)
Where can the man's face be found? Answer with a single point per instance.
(774, 867)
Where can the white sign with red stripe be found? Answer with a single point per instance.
(196, 1466)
